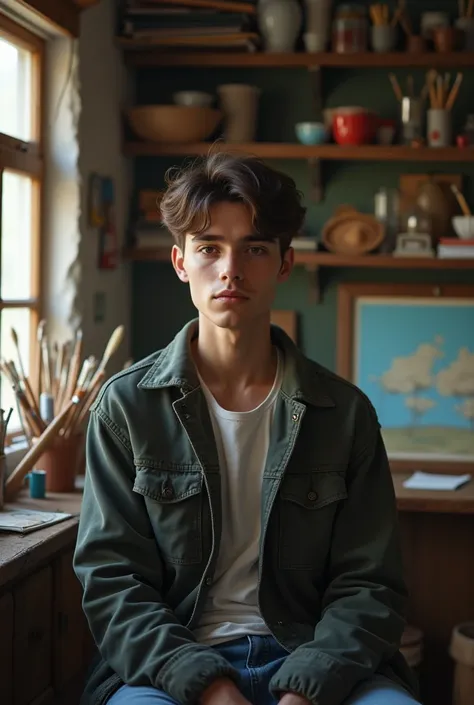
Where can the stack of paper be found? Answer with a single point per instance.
(433, 481)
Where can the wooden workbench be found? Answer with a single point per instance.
(44, 642)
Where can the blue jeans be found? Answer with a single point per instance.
(258, 658)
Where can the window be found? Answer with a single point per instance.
(21, 70)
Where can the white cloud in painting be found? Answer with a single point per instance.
(412, 373)
(457, 380)
(419, 404)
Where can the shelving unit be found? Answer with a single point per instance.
(145, 54)
(139, 54)
(282, 150)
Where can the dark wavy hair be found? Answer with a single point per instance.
(271, 196)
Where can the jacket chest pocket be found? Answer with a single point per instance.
(174, 503)
(308, 504)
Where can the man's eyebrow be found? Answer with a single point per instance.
(209, 237)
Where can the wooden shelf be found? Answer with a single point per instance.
(328, 259)
(145, 54)
(459, 501)
(282, 150)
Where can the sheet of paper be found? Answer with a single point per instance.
(26, 520)
(433, 481)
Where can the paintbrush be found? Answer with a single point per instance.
(74, 368)
(111, 347)
(24, 379)
(39, 357)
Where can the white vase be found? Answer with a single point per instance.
(318, 17)
(279, 22)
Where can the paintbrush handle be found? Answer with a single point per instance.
(30, 395)
(88, 401)
(34, 421)
(15, 481)
(74, 368)
(461, 200)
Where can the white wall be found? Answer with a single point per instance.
(87, 89)
(104, 90)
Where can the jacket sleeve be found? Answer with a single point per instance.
(117, 561)
(362, 612)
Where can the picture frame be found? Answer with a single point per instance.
(410, 349)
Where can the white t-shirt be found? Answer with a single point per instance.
(242, 440)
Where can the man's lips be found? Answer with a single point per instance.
(229, 294)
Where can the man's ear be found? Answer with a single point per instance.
(177, 258)
(287, 264)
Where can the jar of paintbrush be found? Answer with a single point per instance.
(54, 407)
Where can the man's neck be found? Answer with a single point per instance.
(238, 367)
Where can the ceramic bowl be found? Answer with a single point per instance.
(173, 123)
(464, 226)
(311, 132)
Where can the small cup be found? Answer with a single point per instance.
(447, 39)
(383, 38)
(37, 483)
(416, 44)
(439, 127)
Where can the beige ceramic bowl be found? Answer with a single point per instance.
(173, 123)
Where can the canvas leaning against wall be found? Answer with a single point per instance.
(410, 348)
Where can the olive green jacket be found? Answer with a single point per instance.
(330, 575)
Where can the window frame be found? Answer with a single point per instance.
(26, 158)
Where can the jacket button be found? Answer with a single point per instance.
(295, 417)
(168, 493)
(208, 580)
(312, 496)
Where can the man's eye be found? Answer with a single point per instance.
(208, 250)
(257, 250)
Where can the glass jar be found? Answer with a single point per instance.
(350, 29)
(387, 211)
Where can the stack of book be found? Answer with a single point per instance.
(455, 248)
(149, 233)
(222, 24)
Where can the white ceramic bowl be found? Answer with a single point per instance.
(193, 98)
(464, 226)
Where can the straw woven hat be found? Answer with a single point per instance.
(350, 232)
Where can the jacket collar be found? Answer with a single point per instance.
(174, 367)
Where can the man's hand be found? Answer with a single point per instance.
(293, 699)
(223, 692)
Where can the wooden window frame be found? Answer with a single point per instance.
(26, 158)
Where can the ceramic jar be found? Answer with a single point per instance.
(279, 22)
(239, 103)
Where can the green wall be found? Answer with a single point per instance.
(161, 304)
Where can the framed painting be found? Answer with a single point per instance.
(410, 349)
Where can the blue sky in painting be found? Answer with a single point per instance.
(385, 330)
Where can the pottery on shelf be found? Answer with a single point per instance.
(239, 102)
(279, 22)
(317, 24)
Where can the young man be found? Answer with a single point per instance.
(238, 539)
